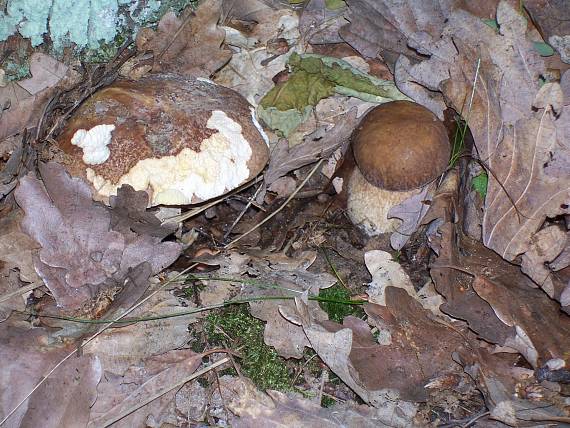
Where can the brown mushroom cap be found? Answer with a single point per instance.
(183, 140)
(400, 146)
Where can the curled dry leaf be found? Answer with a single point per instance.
(411, 212)
(79, 250)
(278, 409)
(500, 303)
(190, 45)
(502, 383)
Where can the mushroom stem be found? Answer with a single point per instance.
(368, 205)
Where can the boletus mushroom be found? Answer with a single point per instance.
(182, 140)
(398, 147)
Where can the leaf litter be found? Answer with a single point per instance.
(479, 337)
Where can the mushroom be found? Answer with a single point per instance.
(182, 140)
(399, 147)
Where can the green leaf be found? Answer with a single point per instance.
(479, 184)
(334, 4)
(492, 23)
(543, 49)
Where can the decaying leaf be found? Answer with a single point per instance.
(22, 103)
(552, 18)
(119, 348)
(385, 273)
(319, 24)
(275, 408)
(190, 45)
(292, 279)
(25, 360)
(374, 371)
(512, 394)
(118, 394)
(313, 78)
(285, 159)
(80, 252)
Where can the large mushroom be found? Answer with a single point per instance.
(182, 140)
(399, 147)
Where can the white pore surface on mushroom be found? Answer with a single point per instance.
(219, 166)
(368, 205)
(94, 143)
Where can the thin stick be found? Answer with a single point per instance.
(68, 356)
(21, 290)
(165, 391)
(273, 214)
(242, 213)
(196, 211)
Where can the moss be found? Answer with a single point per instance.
(327, 401)
(236, 328)
(338, 311)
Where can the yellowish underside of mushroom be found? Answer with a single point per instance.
(219, 166)
(368, 205)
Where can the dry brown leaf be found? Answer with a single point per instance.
(63, 400)
(190, 45)
(278, 409)
(285, 159)
(81, 256)
(117, 394)
(22, 103)
(500, 303)
(374, 371)
(502, 384)
(411, 212)
(119, 348)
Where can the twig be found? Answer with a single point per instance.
(165, 391)
(274, 213)
(242, 213)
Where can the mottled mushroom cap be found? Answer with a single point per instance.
(400, 146)
(182, 140)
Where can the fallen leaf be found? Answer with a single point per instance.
(502, 384)
(385, 273)
(285, 159)
(79, 250)
(552, 18)
(500, 303)
(190, 45)
(319, 24)
(22, 103)
(119, 348)
(118, 394)
(411, 212)
(278, 409)
(25, 360)
(373, 370)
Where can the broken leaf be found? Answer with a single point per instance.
(79, 250)
(190, 45)
(315, 77)
(22, 103)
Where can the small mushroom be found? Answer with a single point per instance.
(399, 147)
(182, 140)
